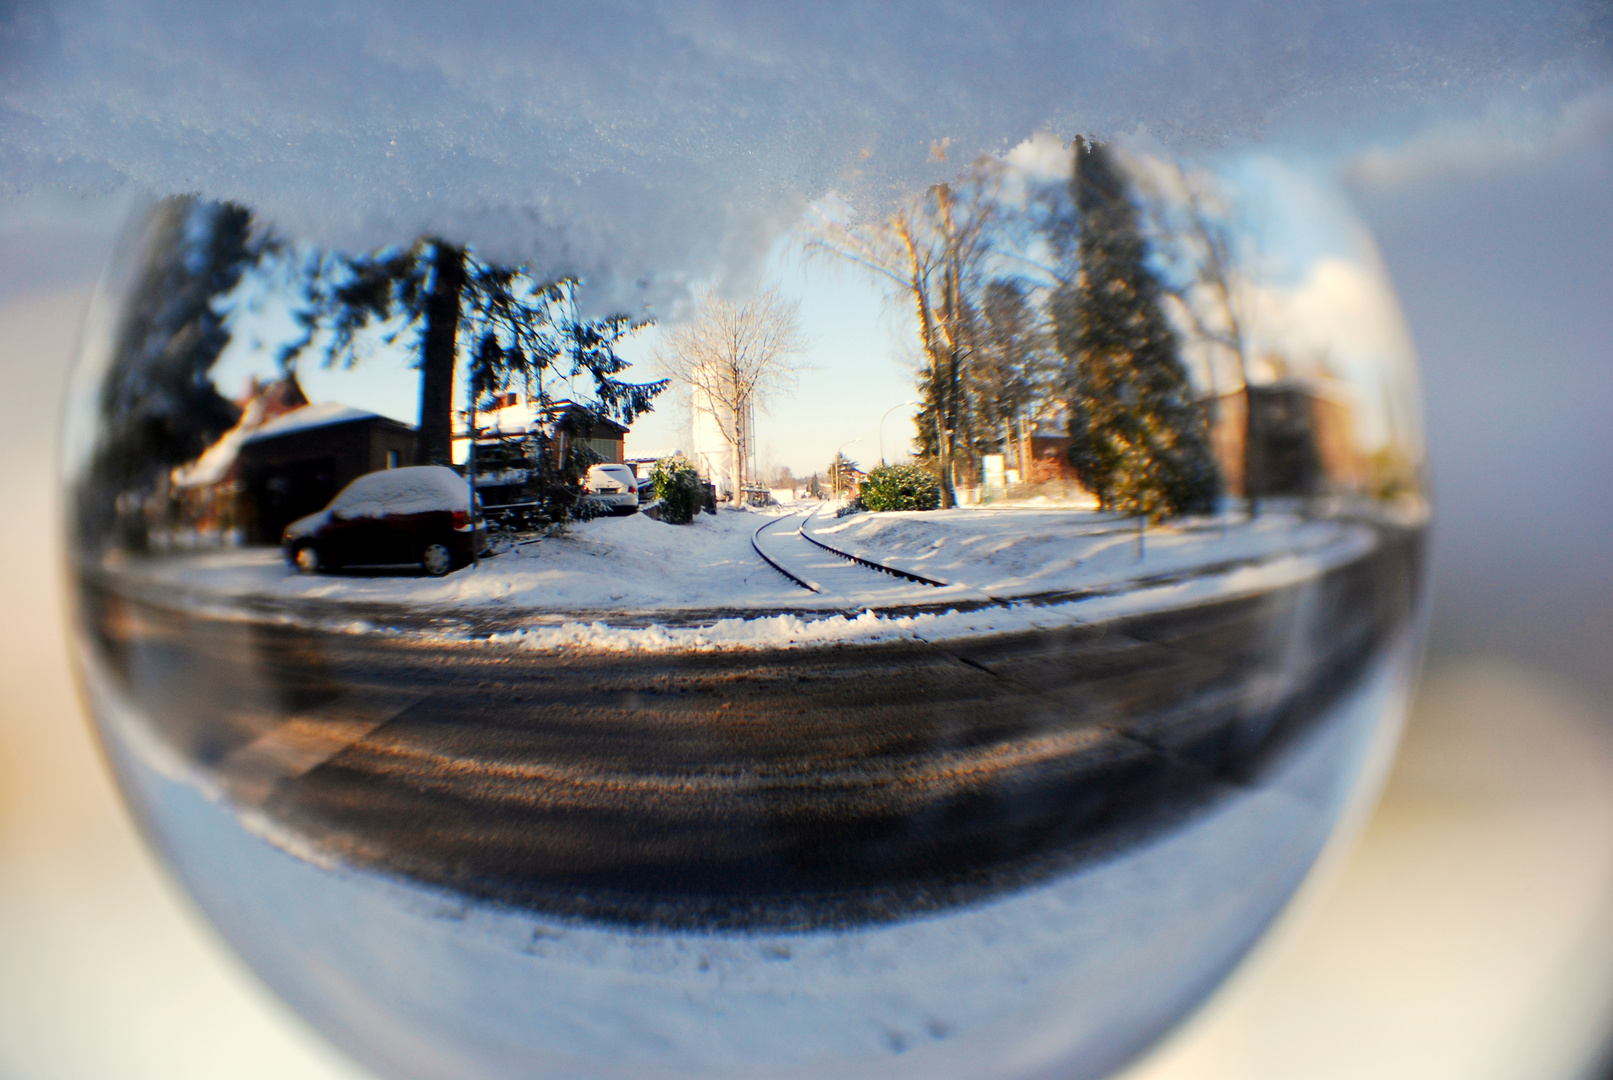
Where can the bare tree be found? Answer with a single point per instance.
(733, 356)
(1189, 217)
(932, 251)
(1186, 212)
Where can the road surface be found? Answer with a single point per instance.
(786, 789)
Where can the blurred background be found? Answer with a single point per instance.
(1467, 934)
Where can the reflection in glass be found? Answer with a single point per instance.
(526, 690)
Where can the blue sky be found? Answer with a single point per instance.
(1320, 291)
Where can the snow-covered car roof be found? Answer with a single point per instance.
(417, 489)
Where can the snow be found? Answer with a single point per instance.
(638, 584)
(309, 416)
(1018, 552)
(675, 137)
(416, 489)
(214, 463)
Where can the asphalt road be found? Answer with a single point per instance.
(786, 789)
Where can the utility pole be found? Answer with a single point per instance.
(888, 411)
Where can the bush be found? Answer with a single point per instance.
(679, 488)
(900, 487)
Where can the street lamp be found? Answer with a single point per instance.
(835, 464)
(888, 411)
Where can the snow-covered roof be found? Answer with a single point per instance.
(263, 404)
(324, 414)
(214, 463)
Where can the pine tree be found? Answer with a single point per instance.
(158, 407)
(1138, 440)
(517, 329)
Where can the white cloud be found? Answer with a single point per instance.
(1504, 135)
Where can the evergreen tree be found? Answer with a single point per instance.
(1138, 440)
(1009, 371)
(841, 472)
(158, 407)
(518, 330)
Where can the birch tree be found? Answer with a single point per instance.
(932, 251)
(734, 356)
(1214, 295)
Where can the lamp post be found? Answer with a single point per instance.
(835, 464)
(888, 411)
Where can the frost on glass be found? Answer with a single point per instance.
(940, 651)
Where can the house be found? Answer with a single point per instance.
(295, 464)
(603, 436)
(512, 416)
(504, 444)
(1290, 437)
(204, 496)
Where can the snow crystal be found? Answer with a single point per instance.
(660, 137)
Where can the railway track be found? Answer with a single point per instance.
(836, 575)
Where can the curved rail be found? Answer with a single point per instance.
(869, 563)
(805, 584)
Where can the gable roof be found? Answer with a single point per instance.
(325, 414)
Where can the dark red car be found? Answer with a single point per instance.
(418, 516)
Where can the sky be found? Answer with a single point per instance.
(1316, 291)
(638, 141)
(655, 145)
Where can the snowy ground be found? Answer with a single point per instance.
(637, 583)
(1030, 551)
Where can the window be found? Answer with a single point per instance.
(608, 449)
(392, 459)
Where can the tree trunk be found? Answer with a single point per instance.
(434, 440)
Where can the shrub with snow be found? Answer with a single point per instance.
(679, 488)
(899, 487)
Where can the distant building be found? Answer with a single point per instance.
(642, 464)
(295, 464)
(505, 448)
(1290, 437)
(710, 450)
(1048, 443)
(603, 436)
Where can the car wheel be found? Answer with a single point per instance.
(307, 559)
(437, 559)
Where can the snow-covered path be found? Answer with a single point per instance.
(832, 577)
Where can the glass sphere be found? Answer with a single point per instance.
(940, 650)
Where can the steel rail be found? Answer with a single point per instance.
(869, 563)
(805, 584)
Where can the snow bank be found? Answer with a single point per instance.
(633, 137)
(619, 584)
(417, 489)
(1018, 552)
